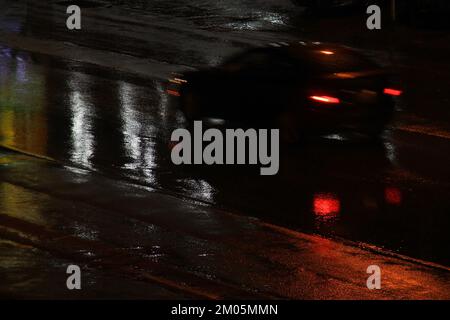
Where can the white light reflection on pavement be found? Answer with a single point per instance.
(82, 114)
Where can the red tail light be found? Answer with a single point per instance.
(392, 92)
(325, 99)
(173, 93)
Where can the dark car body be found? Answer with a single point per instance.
(304, 87)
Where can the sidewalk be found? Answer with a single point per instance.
(115, 229)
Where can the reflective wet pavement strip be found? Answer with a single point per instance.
(144, 235)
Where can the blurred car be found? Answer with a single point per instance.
(301, 88)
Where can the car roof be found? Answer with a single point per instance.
(326, 57)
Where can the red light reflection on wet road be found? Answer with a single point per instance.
(325, 204)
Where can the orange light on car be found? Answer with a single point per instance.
(327, 52)
(177, 81)
(392, 92)
(325, 99)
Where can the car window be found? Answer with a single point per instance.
(273, 63)
(341, 62)
(249, 60)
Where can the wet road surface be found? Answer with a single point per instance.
(117, 124)
(133, 242)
